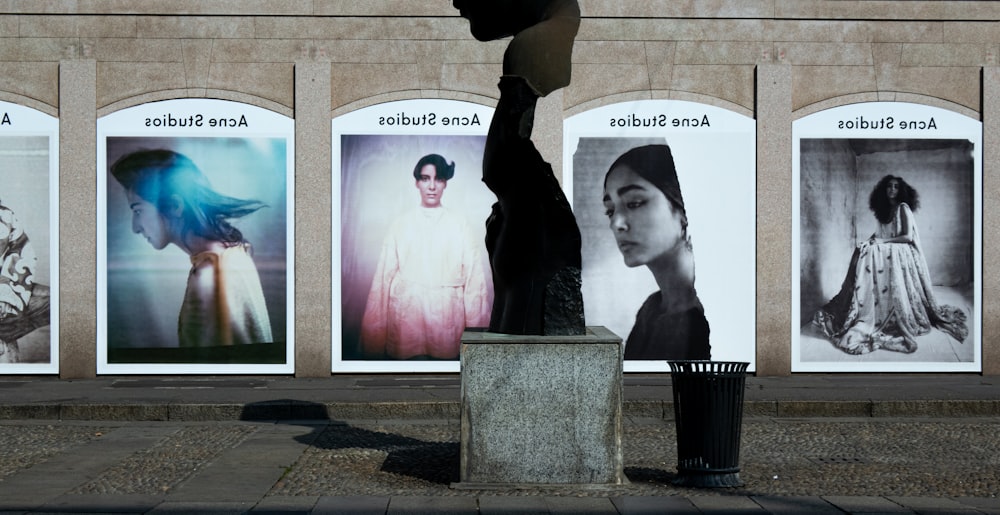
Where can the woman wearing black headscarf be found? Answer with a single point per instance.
(645, 209)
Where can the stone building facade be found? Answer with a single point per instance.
(774, 60)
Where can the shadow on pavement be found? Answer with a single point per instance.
(435, 462)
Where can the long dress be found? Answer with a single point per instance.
(224, 302)
(24, 304)
(887, 299)
(429, 285)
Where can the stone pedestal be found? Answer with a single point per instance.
(541, 410)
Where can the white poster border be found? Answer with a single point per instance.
(888, 120)
(18, 120)
(413, 117)
(194, 118)
(699, 131)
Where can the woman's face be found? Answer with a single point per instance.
(148, 222)
(892, 189)
(645, 224)
(431, 187)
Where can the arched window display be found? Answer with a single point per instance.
(29, 241)
(195, 239)
(663, 191)
(886, 240)
(410, 268)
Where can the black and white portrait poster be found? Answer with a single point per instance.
(664, 193)
(195, 236)
(886, 240)
(410, 267)
(29, 241)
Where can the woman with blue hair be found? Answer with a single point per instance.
(172, 203)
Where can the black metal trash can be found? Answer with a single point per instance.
(708, 412)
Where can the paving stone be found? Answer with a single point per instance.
(654, 505)
(730, 505)
(580, 505)
(102, 503)
(215, 508)
(796, 504)
(427, 505)
(353, 505)
(285, 505)
(865, 504)
(510, 505)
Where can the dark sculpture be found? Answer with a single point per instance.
(531, 235)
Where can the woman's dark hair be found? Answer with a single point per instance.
(655, 163)
(880, 204)
(445, 171)
(158, 175)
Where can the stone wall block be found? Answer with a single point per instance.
(197, 61)
(118, 81)
(665, 29)
(672, 9)
(966, 32)
(77, 26)
(948, 54)
(732, 83)
(362, 51)
(9, 26)
(592, 81)
(430, 57)
(813, 84)
(192, 7)
(914, 10)
(955, 84)
(410, 29)
(262, 50)
(826, 31)
(609, 52)
(825, 54)
(887, 53)
(352, 82)
(479, 79)
(271, 81)
(383, 8)
(138, 50)
(36, 49)
(660, 56)
(195, 26)
(39, 81)
(723, 52)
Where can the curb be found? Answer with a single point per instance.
(451, 410)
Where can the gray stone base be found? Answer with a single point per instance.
(541, 409)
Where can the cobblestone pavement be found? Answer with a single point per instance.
(939, 458)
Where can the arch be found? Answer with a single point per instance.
(35, 104)
(632, 96)
(414, 94)
(177, 94)
(884, 96)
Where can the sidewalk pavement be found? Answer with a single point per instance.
(390, 397)
(873, 443)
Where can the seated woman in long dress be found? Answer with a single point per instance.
(887, 299)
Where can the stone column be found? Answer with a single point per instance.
(312, 220)
(774, 211)
(991, 209)
(77, 216)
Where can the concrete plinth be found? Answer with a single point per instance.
(541, 410)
